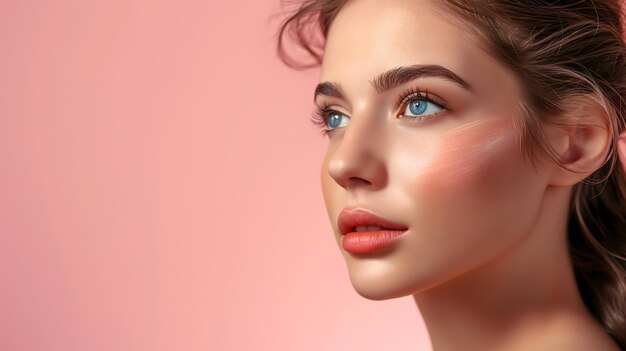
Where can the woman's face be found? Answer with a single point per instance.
(456, 177)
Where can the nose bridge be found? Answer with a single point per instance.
(359, 156)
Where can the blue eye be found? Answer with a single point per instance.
(421, 107)
(334, 120)
(327, 119)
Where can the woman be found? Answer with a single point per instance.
(472, 163)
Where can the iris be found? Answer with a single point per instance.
(418, 106)
(334, 119)
(422, 107)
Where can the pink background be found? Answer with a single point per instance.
(160, 187)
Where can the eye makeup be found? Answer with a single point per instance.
(320, 115)
(414, 93)
(322, 111)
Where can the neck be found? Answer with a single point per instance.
(522, 296)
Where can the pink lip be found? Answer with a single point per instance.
(369, 241)
(352, 217)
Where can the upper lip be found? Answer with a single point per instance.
(352, 217)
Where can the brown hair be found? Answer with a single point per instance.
(556, 49)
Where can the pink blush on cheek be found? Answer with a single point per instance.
(471, 153)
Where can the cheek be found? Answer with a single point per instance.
(478, 157)
(472, 156)
(466, 200)
(472, 183)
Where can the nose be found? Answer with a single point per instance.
(359, 159)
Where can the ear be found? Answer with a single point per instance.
(581, 140)
(621, 149)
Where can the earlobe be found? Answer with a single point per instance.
(583, 142)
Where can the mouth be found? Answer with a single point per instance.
(370, 228)
(360, 220)
(364, 232)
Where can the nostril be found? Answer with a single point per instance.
(357, 181)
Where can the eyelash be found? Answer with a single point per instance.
(320, 117)
(414, 92)
(323, 110)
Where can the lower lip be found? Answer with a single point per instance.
(369, 242)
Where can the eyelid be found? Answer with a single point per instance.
(414, 92)
(331, 106)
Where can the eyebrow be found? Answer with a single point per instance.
(329, 89)
(394, 77)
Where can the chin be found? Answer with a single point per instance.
(381, 294)
(382, 288)
(383, 280)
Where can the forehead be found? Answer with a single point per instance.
(368, 37)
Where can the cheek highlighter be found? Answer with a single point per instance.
(465, 154)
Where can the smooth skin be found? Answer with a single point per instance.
(485, 256)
